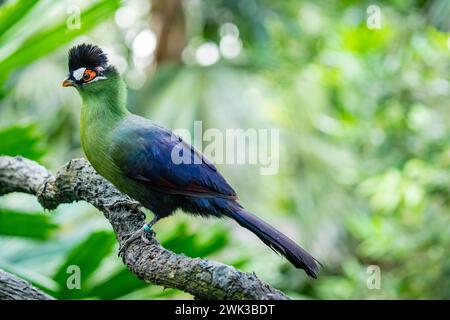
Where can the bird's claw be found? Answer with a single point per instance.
(133, 237)
(146, 233)
(132, 205)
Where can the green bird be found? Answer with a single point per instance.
(136, 156)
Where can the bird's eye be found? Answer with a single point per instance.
(89, 75)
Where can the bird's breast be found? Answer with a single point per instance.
(95, 144)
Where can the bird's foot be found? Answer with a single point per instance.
(146, 233)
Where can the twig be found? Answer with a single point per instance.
(13, 288)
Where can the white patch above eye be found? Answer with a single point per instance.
(78, 74)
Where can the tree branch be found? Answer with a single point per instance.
(77, 180)
(13, 288)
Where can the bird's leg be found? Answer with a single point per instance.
(145, 233)
(148, 232)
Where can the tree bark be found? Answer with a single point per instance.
(13, 288)
(77, 180)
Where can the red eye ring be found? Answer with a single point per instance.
(89, 75)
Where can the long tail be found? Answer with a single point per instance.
(277, 241)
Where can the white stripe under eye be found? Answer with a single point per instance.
(98, 78)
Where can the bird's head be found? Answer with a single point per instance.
(88, 69)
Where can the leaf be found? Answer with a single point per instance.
(13, 12)
(45, 41)
(87, 256)
(118, 285)
(23, 140)
(200, 245)
(27, 225)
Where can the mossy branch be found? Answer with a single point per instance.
(77, 181)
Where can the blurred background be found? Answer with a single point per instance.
(358, 89)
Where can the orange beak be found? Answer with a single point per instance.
(68, 83)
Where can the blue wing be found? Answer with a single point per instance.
(164, 162)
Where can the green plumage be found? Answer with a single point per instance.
(103, 109)
(104, 124)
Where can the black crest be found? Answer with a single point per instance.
(88, 56)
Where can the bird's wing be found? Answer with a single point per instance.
(153, 154)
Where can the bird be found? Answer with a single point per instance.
(135, 155)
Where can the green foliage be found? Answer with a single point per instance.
(22, 139)
(34, 225)
(364, 140)
(87, 256)
(45, 41)
(203, 244)
(114, 288)
(11, 13)
(37, 279)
